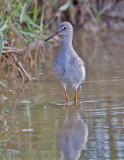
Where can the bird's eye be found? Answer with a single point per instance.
(65, 28)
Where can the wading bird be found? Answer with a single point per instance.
(68, 67)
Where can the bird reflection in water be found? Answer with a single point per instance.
(72, 136)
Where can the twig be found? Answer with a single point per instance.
(20, 66)
(21, 70)
(36, 52)
(10, 62)
(16, 50)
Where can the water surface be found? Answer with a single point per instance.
(33, 120)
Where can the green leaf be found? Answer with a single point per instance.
(28, 24)
(18, 7)
(1, 41)
(41, 21)
(30, 21)
(23, 11)
(98, 16)
(1, 16)
(5, 47)
(31, 34)
(4, 26)
(46, 26)
(2, 83)
(22, 16)
(35, 12)
(65, 6)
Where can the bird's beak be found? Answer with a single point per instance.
(55, 34)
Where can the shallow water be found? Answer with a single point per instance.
(33, 120)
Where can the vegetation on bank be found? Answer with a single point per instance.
(24, 22)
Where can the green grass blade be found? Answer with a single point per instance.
(35, 12)
(98, 16)
(41, 21)
(31, 22)
(31, 34)
(65, 6)
(18, 7)
(22, 16)
(1, 41)
(23, 11)
(3, 27)
(1, 16)
(2, 83)
(46, 26)
(28, 24)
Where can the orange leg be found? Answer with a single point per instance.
(66, 101)
(66, 97)
(75, 100)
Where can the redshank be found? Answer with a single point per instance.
(68, 67)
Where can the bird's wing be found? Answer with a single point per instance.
(80, 63)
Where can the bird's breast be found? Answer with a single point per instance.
(68, 67)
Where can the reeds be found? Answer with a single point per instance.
(19, 29)
(22, 22)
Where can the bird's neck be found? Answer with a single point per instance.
(67, 41)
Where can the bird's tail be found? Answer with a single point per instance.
(79, 88)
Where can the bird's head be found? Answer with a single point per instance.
(64, 28)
